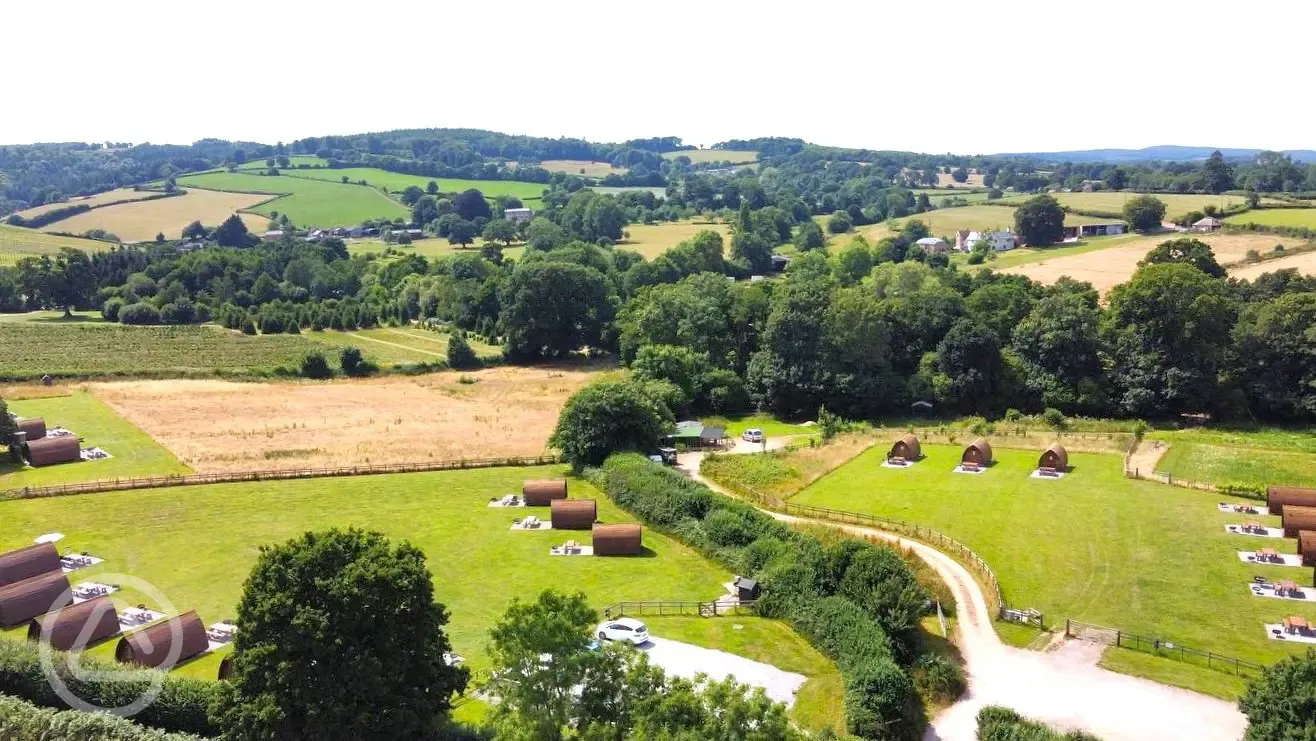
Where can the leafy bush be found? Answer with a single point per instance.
(460, 354)
(939, 678)
(996, 723)
(111, 308)
(1054, 418)
(1247, 491)
(314, 365)
(353, 363)
(23, 721)
(139, 313)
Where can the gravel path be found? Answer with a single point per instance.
(686, 660)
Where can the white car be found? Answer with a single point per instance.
(753, 435)
(623, 629)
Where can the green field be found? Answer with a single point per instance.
(17, 243)
(1025, 255)
(1176, 204)
(1291, 217)
(432, 247)
(134, 452)
(1094, 546)
(294, 160)
(944, 222)
(308, 202)
(88, 349)
(397, 182)
(734, 156)
(936, 195)
(398, 345)
(1224, 464)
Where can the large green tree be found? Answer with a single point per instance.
(606, 417)
(1144, 213)
(341, 638)
(550, 309)
(1059, 346)
(1280, 705)
(1218, 174)
(470, 204)
(1040, 221)
(1185, 250)
(1275, 356)
(233, 233)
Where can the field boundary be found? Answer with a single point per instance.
(711, 608)
(1159, 647)
(201, 479)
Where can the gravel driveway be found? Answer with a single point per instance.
(686, 660)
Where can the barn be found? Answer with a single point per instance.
(24, 600)
(51, 450)
(1054, 457)
(1307, 547)
(906, 448)
(1295, 519)
(34, 427)
(617, 540)
(175, 640)
(25, 563)
(78, 626)
(540, 493)
(574, 514)
(978, 453)
(1278, 496)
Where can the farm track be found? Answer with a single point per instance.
(398, 345)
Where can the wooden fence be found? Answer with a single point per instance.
(199, 479)
(667, 607)
(1160, 647)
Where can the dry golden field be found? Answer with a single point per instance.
(133, 222)
(585, 168)
(651, 240)
(214, 425)
(121, 195)
(1304, 262)
(18, 242)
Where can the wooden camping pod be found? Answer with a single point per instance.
(226, 667)
(978, 452)
(1055, 457)
(24, 600)
(540, 492)
(1278, 496)
(1307, 547)
(75, 627)
(574, 514)
(25, 563)
(906, 447)
(34, 427)
(51, 450)
(617, 540)
(177, 639)
(1296, 519)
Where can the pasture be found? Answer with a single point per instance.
(430, 247)
(1246, 459)
(141, 220)
(119, 195)
(217, 426)
(17, 243)
(1176, 204)
(1093, 546)
(1283, 217)
(651, 240)
(294, 161)
(937, 195)
(390, 346)
(396, 182)
(583, 168)
(944, 222)
(307, 201)
(700, 156)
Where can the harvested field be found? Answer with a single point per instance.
(223, 426)
(120, 195)
(1176, 204)
(651, 240)
(141, 221)
(734, 156)
(17, 243)
(946, 181)
(584, 168)
(1305, 263)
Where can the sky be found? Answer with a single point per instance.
(935, 76)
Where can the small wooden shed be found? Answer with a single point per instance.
(167, 643)
(226, 667)
(747, 589)
(77, 626)
(574, 514)
(541, 492)
(24, 600)
(1055, 457)
(617, 540)
(25, 563)
(1296, 519)
(906, 448)
(34, 427)
(1278, 496)
(978, 453)
(1307, 547)
(51, 450)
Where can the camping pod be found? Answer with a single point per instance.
(1307, 547)
(574, 514)
(28, 562)
(617, 540)
(1054, 457)
(226, 667)
(978, 453)
(1278, 496)
(24, 600)
(1296, 519)
(906, 448)
(51, 450)
(167, 644)
(35, 428)
(540, 493)
(75, 627)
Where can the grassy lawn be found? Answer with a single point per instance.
(1175, 673)
(1223, 464)
(1176, 204)
(771, 426)
(937, 194)
(17, 243)
(307, 201)
(431, 248)
(134, 452)
(734, 156)
(294, 160)
(1277, 217)
(1025, 255)
(397, 345)
(397, 182)
(1094, 546)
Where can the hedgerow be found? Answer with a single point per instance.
(23, 721)
(996, 723)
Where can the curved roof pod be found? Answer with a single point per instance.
(978, 452)
(574, 514)
(906, 447)
(539, 493)
(1055, 457)
(50, 450)
(24, 600)
(25, 563)
(1296, 519)
(165, 644)
(34, 427)
(78, 626)
(1278, 496)
(618, 540)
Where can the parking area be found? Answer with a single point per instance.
(686, 660)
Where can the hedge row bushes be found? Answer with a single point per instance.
(996, 723)
(48, 217)
(182, 705)
(857, 602)
(23, 721)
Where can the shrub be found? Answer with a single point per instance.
(23, 721)
(1054, 418)
(1013, 415)
(939, 678)
(179, 312)
(314, 365)
(248, 326)
(110, 309)
(353, 363)
(996, 723)
(1139, 430)
(139, 313)
(460, 354)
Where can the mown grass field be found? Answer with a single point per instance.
(119, 195)
(697, 156)
(143, 220)
(944, 222)
(651, 240)
(1231, 464)
(294, 160)
(1094, 546)
(1292, 217)
(936, 195)
(134, 452)
(396, 182)
(17, 243)
(432, 248)
(308, 201)
(583, 168)
(1176, 204)
(399, 345)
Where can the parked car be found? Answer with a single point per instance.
(752, 435)
(623, 629)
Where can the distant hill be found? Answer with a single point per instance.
(1162, 152)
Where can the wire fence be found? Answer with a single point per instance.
(667, 607)
(199, 479)
(1160, 647)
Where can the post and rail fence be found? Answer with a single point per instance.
(1160, 647)
(711, 608)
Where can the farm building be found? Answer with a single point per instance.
(1278, 496)
(179, 638)
(51, 450)
(24, 600)
(1094, 230)
(574, 514)
(1307, 547)
(75, 627)
(978, 453)
(998, 241)
(1295, 519)
(25, 563)
(617, 540)
(542, 492)
(1054, 457)
(34, 428)
(1208, 224)
(906, 448)
(694, 434)
(517, 214)
(933, 245)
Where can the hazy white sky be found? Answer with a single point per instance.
(923, 75)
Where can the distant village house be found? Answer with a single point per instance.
(517, 214)
(999, 241)
(933, 245)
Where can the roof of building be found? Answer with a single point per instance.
(1208, 221)
(931, 240)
